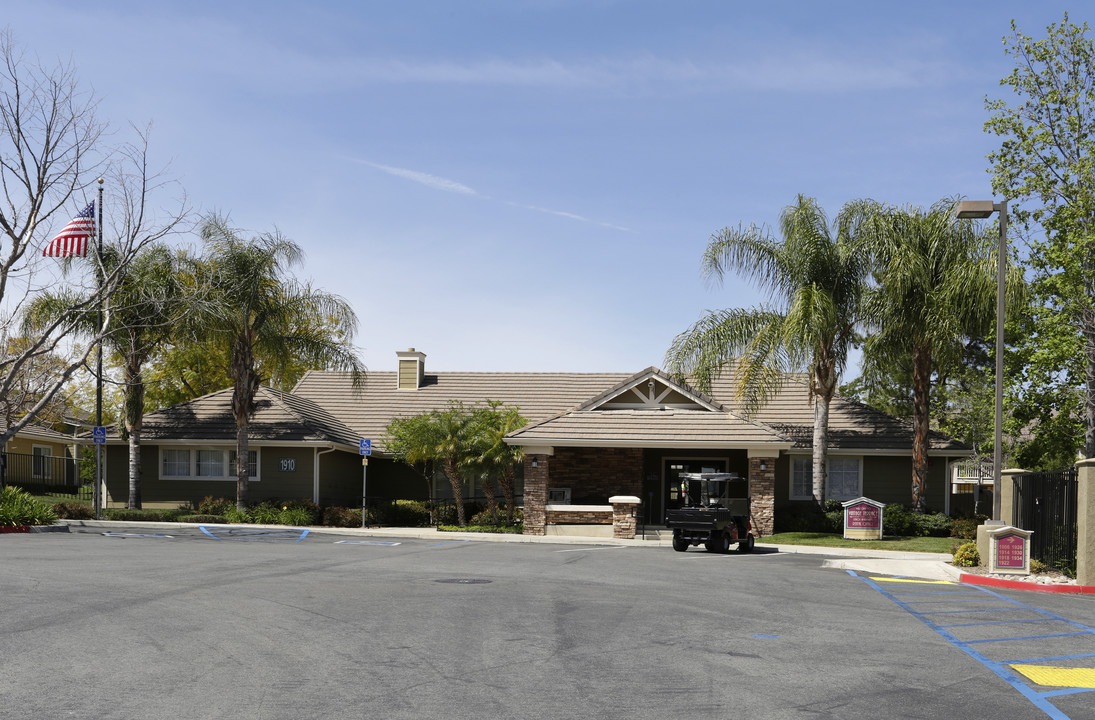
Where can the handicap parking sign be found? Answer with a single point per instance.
(98, 434)
(366, 446)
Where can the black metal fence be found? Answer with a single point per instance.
(1045, 503)
(43, 475)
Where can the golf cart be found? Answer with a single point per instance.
(709, 514)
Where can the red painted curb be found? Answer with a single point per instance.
(1020, 585)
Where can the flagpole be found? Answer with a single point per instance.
(99, 359)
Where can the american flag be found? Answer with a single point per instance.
(72, 241)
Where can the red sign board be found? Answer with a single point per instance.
(863, 516)
(1011, 552)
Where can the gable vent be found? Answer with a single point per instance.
(412, 369)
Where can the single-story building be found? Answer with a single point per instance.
(590, 436)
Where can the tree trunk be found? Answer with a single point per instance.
(922, 364)
(245, 386)
(821, 448)
(506, 481)
(457, 490)
(1088, 322)
(133, 417)
(488, 490)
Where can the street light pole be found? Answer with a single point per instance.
(983, 209)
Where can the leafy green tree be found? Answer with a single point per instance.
(815, 278)
(147, 304)
(1044, 165)
(934, 289)
(258, 309)
(494, 459)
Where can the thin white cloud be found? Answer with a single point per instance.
(439, 183)
(432, 181)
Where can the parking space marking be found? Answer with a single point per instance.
(245, 534)
(597, 547)
(1013, 671)
(140, 535)
(912, 581)
(453, 542)
(366, 543)
(1059, 676)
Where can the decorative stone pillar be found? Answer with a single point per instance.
(624, 509)
(536, 483)
(762, 491)
(1085, 539)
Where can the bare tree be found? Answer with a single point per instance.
(53, 151)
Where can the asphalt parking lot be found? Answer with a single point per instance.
(139, 623)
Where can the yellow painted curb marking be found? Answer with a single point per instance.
(917, 582)
(1059, 676)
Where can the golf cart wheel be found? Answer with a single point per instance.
(679, 543)
(746, 544)
(724, 543)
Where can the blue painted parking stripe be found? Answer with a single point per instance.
(1029, 661)
(1000, 669)
(999, 622)
(959, 612)
(1029, 637)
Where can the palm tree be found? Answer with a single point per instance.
(935, 288)
(814, 277)
(494, 459)
(259, 310)
(142, 312)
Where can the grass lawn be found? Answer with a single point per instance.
(906, 544)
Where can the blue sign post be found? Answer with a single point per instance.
(366, 449)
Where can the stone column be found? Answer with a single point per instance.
(624, 508)
(762, 491)
(1085, 504)
(536, 480)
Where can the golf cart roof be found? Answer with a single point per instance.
(709, 476)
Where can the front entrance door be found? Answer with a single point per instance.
(672, 468)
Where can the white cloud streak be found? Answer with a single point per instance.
(436, 182)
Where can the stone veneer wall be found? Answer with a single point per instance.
(762, 489)
(536, 493)
(580, 517)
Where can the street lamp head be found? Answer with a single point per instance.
(975, 209)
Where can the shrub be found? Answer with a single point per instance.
(215, 506)
(296, 516)
(1037, 566)
(126, 514)
(235, 516)
(932, 525)
(482, 528)
(897, 520)
(966, 555)
(340, 517)
(18, 508)
(803, 517)
(203, 519)
(405, 513)
(835, 521)
(73, 511)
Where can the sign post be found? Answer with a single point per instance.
(98, 435)
(862, 519)
(366, 449)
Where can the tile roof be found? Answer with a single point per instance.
(279, 417)
(369, 410)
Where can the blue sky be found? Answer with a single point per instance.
(529, 185)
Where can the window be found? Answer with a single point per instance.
(210, 463)
(844, 481)
(41, 461)
(802, 478)
(205, 463)
(252, 463)
(176, 463)
(845, 478)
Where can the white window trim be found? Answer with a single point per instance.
(228, 472)
(807, 458)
